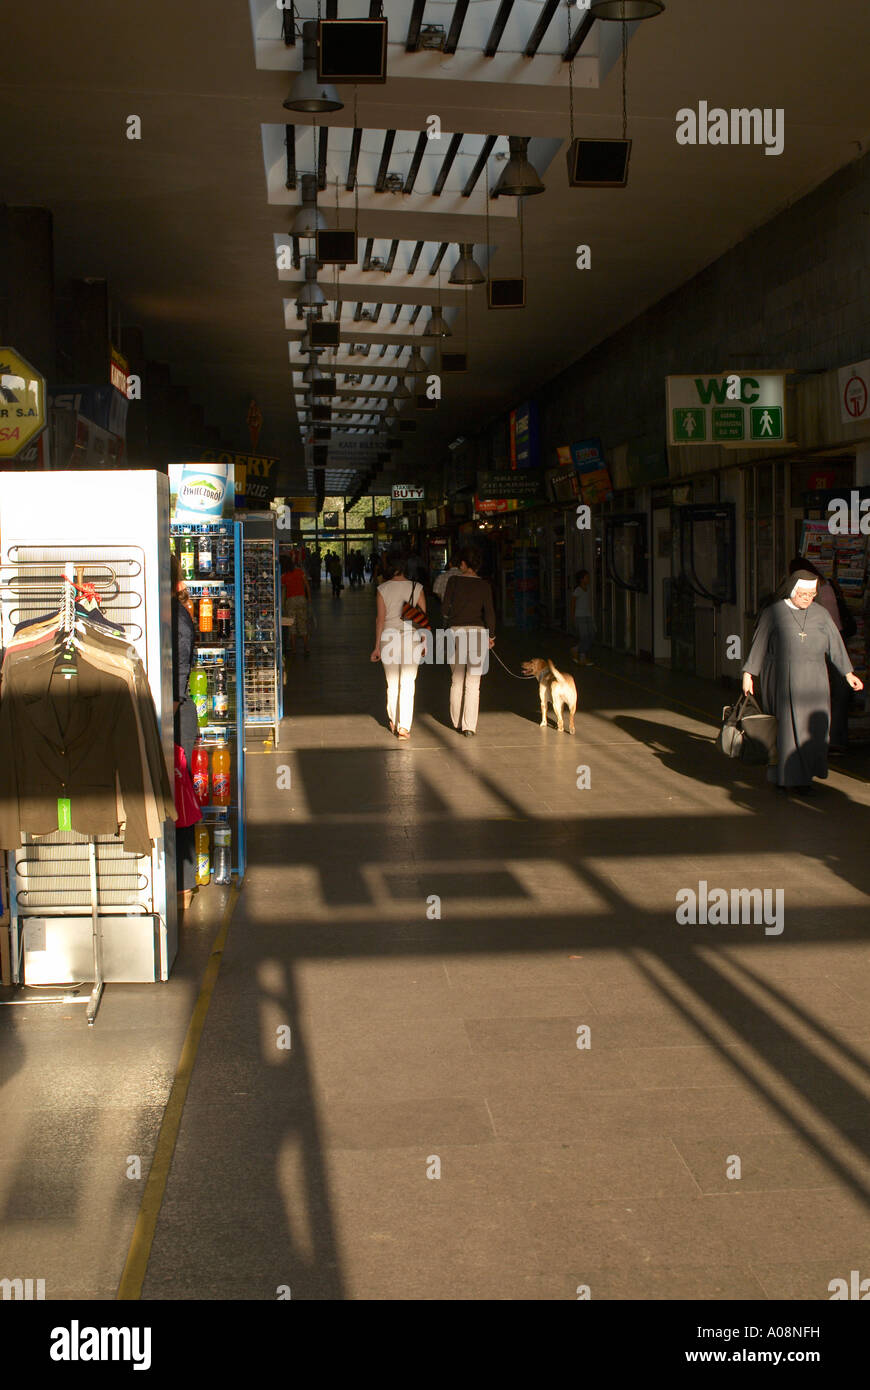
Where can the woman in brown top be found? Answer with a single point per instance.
(470, 615)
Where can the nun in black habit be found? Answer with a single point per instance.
(791, 642)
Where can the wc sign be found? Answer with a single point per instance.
(740, 409)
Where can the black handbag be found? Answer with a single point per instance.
(747, 733)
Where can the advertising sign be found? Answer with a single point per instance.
(22, 403)
(201, 491)
(524, 436)
(854, 392)
(592, 472)
(736, 408)
(407, 492)
(491, 506)
(509, 483)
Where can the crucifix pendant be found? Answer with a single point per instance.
(803, 636)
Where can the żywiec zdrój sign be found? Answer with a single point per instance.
(736, 408)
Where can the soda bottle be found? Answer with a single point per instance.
(199, 693)
(199, 769)
(222, 557)
(188, 603)
(206, 613)
(220, 774)
(204, 556)
(224, 616)
(203, 855)
(187, 557)
(220, 700)
(223, 851)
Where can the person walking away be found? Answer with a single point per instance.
(442, 580)
(582, 619)
(185, 723)
(295, 599)
(398, 645)
(333, 569)
(831, 598)
(470, 615)
(792, 642)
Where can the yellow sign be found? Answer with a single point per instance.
(22, 403)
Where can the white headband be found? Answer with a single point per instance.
(804, 584)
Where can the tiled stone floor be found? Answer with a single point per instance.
(422, 1042)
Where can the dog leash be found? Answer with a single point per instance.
(494, 653)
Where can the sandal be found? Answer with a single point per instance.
(403, 733)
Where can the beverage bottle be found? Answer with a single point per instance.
(222, 557)
(220, 774)
(188, 603)
(203, 855)
(220, 700)
(223, 851)
(206, 613)
(200, 772)
(204, 556)
(224, 616)
(199, 693)
(187, 557)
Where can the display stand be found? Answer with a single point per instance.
(263, 674)
(72, 578)
(846, 558)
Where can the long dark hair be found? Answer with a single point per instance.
(395, 562)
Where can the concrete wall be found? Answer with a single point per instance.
(794, 294)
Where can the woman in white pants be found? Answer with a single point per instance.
(398, 645)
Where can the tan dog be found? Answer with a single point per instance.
(559, 689)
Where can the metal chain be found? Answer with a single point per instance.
(570, 79)
(624, 78)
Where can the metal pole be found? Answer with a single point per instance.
(97, 991)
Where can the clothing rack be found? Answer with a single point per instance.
(73, 583)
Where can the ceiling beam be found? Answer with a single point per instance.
(412, 264)
(288, 26)
(447, 164)
(578, 38)
(540, 29)
(452, 41)
(357, 313)
(416, 160)
(498, 27)
(412, 42)
(413, 317)
(384, 166)
(367, 255)
(353, 160)
(396, 312)
(297, 256)
(391, 258)
(433, 269)
(479, 165)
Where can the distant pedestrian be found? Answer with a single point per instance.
(470, 615)
(333, 569)
(398, 646)
(581, 618)
(295, 600)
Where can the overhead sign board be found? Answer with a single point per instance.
(740, 409)
(854, 392)
(22, 403)
(407, 492)
(516, 483)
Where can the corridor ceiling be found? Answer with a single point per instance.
(186, 224)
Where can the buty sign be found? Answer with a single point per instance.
(406, 492)
(736, 408)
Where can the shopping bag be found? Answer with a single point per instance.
(747, 733)
(187, 804)
(412, 613)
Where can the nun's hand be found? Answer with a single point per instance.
(747, 683)
(855, 681)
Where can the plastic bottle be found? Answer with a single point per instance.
(199, 770)
(222, 557)
(224, 616)
(206, 613)
(187, 557)
(223, 851)
(204, 556)
(203, 855)
(199, 693)
(220, 700)
(220, 774)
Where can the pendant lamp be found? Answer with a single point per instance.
(437, 327)
(401, 392)
(625, 9)
(416, 362)
(519, 177)
(311, 295)
(466, 270)
(306, 93)
(308, 221)
(312, 371)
